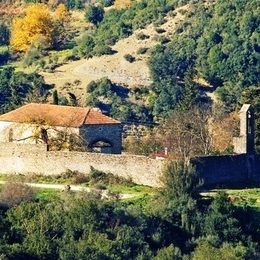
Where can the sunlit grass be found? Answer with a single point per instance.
(3, 48)
(47, 194)
(120, 188)
(131, 189)
(249, 196)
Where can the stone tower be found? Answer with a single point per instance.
(245, 143)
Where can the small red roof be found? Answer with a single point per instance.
(56, 115)
(159, 155)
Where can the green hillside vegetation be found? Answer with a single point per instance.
(219, 43)
(118, 101)
(176, 223)
(121, 23)
(208, 41)
(17, 88)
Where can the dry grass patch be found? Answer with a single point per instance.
(115, 67)
(119, 4)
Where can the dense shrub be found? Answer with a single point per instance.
(107, 3)
(13, 193)
(163, 39)
(75, 4)
(102, 178)
(160, 30)
(94, 14)
(116, 101)
(160, 22)
(129, 58)
(17, 87)
(4, 34)
(142, 36)
(102, 49)
(76, 177)
(142, 50)
(86, 45)
(4, 57)
(31, 56)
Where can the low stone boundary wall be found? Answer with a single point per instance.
(228, 168)
(26, 159)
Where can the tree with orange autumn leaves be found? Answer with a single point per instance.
(37, 27)
(61, 13)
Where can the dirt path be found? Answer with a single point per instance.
(75, 188)
(115, 67)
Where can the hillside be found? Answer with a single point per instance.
(99, 98)
(116, 67)
(158, 57)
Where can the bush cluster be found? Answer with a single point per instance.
(142, 36)
(17, 87)
(216, 43)
(13, 193)
(175, 224)
(129, 58)
(117, 24)
(116, 101)
(107, 3)
(142, 50)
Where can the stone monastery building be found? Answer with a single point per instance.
(45, 123)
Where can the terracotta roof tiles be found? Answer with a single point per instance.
(57, 115)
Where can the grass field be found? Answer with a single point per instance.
(139, 190)
(121, 188)
(47, 194)
(240, 197)
(249, 196)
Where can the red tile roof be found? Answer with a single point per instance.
(57, 115)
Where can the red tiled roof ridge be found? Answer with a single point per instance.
(57, 115)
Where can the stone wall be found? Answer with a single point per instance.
(29, 133)
(228, 169)
(111, 133)
(215, 170)
(35, 159)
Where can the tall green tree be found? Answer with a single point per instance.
(221, 222)
(94, 14)
(4, 34)
(17, 88)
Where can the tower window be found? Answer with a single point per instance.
(249, 123)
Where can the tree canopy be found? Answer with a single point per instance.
(34, 28)
(218, 42)
(38, 27)
(18, 87)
